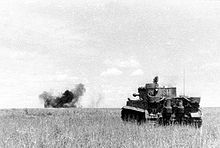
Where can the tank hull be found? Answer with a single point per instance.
(139, 116)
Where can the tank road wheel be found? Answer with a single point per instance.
(160, 121)
(180, 118)
(131, 116)
(124, 115)
(185, 121)
(166, 119)
(197, 123)
(140, 118)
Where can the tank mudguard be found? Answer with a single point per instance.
(196, 114)
(134, 108)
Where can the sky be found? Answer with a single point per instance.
(113, 47)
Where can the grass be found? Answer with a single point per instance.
(51, 128)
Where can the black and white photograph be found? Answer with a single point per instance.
(109, 73)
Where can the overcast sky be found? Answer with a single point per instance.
(112, 47)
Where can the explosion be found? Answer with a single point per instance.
(68, 99)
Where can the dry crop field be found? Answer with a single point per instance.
(49, 128)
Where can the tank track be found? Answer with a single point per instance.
(133, 114)
(137, 115)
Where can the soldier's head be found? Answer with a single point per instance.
(155, 80)
(66, 93)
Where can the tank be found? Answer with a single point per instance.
(161, 105)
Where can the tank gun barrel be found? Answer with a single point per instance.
(135, 95)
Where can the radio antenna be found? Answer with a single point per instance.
(184, 79)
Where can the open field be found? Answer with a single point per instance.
(79, 127)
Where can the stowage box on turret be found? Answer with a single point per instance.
(162, 105)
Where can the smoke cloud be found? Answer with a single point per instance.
(96, 101)
(68, 99)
